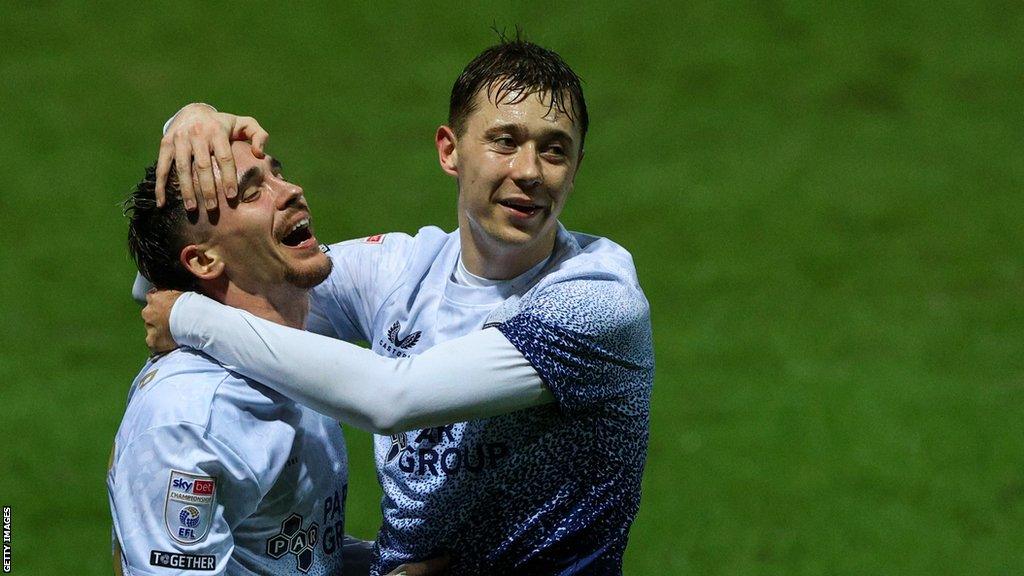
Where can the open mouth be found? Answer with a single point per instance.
(521, 208)
(298, 234)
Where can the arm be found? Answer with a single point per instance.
(589, 339)
(158, 524)
(475, 376)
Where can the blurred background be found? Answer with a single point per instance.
(822, 200)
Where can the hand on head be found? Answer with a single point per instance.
(198, 139)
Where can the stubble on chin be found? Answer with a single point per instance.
(309, 277)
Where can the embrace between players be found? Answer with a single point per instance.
(508, 381)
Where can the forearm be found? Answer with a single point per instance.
(476, 376)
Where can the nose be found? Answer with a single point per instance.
(527, 170)
(287, 194)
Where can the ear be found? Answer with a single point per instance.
(447, 154)
(203, 262)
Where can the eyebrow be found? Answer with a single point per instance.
(255, 173)
(250, 177)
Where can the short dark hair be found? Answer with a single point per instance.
(516, 65)
(157, 235)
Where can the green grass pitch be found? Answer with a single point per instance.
(823, 201)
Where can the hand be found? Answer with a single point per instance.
(201, 133)
(432, 567)
(157, 318)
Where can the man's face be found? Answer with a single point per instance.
(516, 164)
(265, 239)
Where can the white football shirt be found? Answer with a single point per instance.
(213, 473)
(549, 489)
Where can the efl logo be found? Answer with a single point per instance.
(203, 487)
(375, 239)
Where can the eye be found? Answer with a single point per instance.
(554, 153)
(251, 193)
(505, 142)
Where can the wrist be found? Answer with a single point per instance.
(178, 321)
(189, 110)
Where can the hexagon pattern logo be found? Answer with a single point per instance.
(292, 539)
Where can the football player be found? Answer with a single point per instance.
(536, 340)
(211, 471)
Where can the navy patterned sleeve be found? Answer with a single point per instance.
(590, 341)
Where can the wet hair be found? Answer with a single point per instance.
(156, 236)
(512, 70)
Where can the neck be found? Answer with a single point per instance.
(487, 258)
(287, 305)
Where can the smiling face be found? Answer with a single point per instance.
(515, 164)
(265, 240)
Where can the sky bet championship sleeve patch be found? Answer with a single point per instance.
(375, 239)
(188, 510)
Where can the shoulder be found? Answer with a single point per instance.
(590, 271)
(590, 288)
(592, 257)
(177, 388)
(376, 262)
(387, 243)
(188, 409)
(187, 387)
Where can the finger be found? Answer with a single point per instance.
(183, 166)
(259, 143)
(226, 162)
(163, 168)
(204, 171)
(247, 128)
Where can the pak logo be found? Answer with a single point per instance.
(396, 344)
(188, 508)
(292, 539)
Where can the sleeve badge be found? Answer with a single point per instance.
(188, 508)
